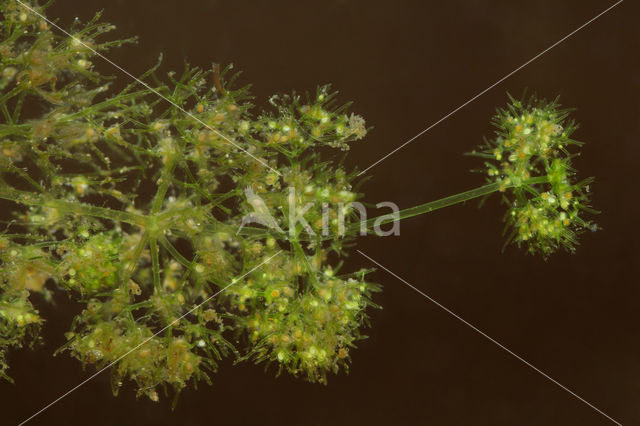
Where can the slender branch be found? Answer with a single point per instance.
(135, 260)
(155, 263)
(402, 214)
(31, 199)
(166, 177)
(174, 252)
(447, 201)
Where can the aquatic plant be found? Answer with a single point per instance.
(192, 228)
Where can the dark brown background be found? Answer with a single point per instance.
(406, 64)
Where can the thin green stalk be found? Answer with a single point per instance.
(137, 254)
(164, 242)
(155, 263)
(445, 202)
(31, 199)
(166, 179)
(402, 214)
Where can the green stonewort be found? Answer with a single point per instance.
(532, 138)
(135, 207)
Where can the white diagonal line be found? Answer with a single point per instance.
(500, 345)
(490, 87)
(146, 340)
(53, 24)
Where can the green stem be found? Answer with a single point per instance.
(31, 199)
(155, 263)
(137, 254)
(447, 201)
(163, 187)
(174, 252)
(409, 212)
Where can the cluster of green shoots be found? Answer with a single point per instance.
(132, 203)
(529, 156)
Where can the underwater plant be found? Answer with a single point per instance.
(192, 228)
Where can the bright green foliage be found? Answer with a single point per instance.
(23, 271)
(531, 141)
(133, 207)
(310, 334)
(136, 207)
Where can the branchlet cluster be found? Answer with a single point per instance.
(529, 160)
